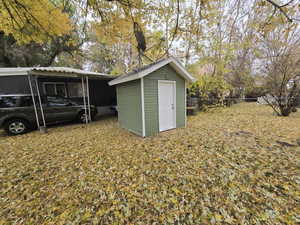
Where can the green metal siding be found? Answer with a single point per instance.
(151, 98)
(130, 106)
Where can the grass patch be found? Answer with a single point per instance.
(226, 167)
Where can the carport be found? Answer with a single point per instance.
(33, 74)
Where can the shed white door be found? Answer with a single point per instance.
(166, 105)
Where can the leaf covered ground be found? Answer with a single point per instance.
(238, 165)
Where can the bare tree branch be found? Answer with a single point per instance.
(175, 31)
(280, 8)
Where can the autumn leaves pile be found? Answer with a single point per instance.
(226, 167)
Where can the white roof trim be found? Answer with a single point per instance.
(173, 62)
(19, 71)
(14, 71)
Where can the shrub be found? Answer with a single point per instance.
(210, 90)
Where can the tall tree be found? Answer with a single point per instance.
(37, 21)
(281, 68)
(43, 50)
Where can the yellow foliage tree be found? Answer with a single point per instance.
(29, 20)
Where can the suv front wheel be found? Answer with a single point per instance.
(16, 126)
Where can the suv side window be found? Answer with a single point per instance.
(9, 101)
(26, 101)
(58, 101)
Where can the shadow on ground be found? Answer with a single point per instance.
(66, 124)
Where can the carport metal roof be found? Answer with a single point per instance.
(52, 71)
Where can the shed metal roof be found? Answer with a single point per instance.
(49, 71)
(144, 71)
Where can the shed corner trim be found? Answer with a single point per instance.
(143, 107)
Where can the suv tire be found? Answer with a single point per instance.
(16, 126)
(81, 117)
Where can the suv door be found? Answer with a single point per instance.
(27, 107)
(60, 109)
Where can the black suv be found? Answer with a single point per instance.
(17, 115)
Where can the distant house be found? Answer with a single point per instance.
(297, 80)
(60, 81)
(152, 99)
(266, 99)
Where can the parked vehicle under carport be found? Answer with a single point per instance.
(88, 88)
(17, 114)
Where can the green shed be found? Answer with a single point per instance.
(153, 98)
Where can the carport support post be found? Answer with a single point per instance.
(84, 100)
(42, 129)
(88, 98)
(33, 100)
